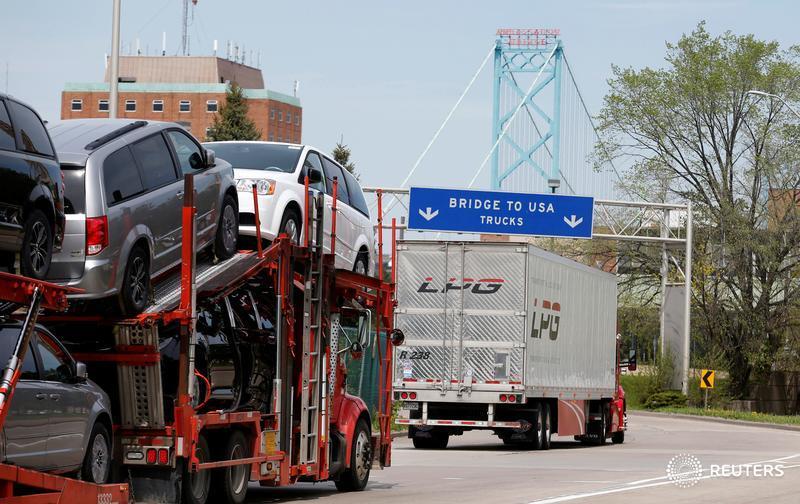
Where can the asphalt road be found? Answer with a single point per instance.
(476, 467)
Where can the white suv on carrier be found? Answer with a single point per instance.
(278, 170)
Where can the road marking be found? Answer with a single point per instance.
(453, 478)
(647, 483)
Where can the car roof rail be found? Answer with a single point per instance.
(114, 134)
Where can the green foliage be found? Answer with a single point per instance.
(665, 399)
(341, 154)
(690, 132)
(635, 387)
(232, 123)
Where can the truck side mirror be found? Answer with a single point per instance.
(364, 325)
(632, 360)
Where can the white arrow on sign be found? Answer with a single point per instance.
(573, 221)
(427, 214)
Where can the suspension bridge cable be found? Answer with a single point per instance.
(511, 119)
(439, 131)
(597, 134)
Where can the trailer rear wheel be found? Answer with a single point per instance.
(230, 483)
(196, 485)
(356, 476)
(546, 430)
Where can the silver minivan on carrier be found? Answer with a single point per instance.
(124, 190)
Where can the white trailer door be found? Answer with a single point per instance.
(493, 307)
(426, 311)
(462, 309)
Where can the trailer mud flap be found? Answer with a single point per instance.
(157, 486)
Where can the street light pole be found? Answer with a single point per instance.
(113, 78)
(756, 92)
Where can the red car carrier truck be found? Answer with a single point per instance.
(234, 374)
(505, 337)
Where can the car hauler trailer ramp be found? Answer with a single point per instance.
(507, 337)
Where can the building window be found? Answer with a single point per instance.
(297, 119)
(211, 106)
(289, 117)
(280, 139)
(185, 106)
(102, 105)
(77, 105)
(208, 132)
(280, 116)
(272, 114)
(158, 105)
(130, 105)
(271, 137)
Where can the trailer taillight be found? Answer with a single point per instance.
(163, 456)
(404, 395)
(151, 456)
(512, 398)
(412, 395)
(503, 398)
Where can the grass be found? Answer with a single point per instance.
(735, 415)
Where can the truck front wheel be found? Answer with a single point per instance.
(196, 485)
(355, 477)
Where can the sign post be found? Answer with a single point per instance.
(706, 383)
(499, 212)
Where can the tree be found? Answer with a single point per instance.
(690, 131)
(232, 123)
(341, 154)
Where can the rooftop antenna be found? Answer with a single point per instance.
(296, 87)
(244, 55)
(228, 50)
(138, 48)
(215, 47)
(185, 27)
(163, 43)
(235, 52)
(258, 61)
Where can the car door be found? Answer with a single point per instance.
(68, 405)
(313, 160)
(18, 183)
(26, 427)
(207, 183)
(358, 215)
(344, 225)
(163, 201)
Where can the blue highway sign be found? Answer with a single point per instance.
(498, 212)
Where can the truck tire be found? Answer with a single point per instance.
(618, 437)
(230, 483)
(546, 430)
(355, 477)
(197, 485)
(603, 427)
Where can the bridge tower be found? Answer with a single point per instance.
(526, 111)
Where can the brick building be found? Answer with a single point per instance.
(188, 90)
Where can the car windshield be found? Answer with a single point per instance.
(257, 156)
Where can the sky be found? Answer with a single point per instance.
(382, 75)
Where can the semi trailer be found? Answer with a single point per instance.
(505, 337)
